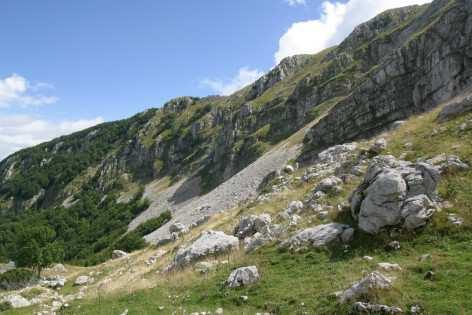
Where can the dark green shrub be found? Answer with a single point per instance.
(153, 224)
(17, 279)
(130, 242)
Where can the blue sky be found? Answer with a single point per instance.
(65, 65)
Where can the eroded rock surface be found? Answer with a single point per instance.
(395, 192)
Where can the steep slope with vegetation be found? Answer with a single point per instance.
(84, 190)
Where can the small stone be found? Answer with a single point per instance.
(429, 275)
(416, 310)
(118, 254)
(244, 298)
(424, 257)
(219, 311)
(389, 267)
(289, 169)
(368, 258)
(394, 245)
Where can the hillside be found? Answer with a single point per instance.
(332, 141)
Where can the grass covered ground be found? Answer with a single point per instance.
(304, 282)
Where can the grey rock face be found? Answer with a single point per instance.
(242, 277)
(395, 192)
(367, 286)
(209, 243)
(457, 107)
(405, 79)
(319, 236)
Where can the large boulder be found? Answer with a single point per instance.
(395, 192)
(320, 235)
(252, 224)
(455, 108)
(242, 277)
(366, 287)
(209, 243)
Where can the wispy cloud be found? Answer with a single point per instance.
(16, 90)
(245, 76)
(20, 131)
(295, 2)
(336, 21)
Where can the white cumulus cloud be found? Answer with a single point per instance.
(245, 76)
(16, 90)
(336, 21)
(295, 2)
(20, 131)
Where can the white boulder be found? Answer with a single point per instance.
(320, 235)
(242, 277)
(209, 243)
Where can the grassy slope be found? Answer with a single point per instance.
(310, 277)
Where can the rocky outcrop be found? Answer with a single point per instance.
(321, 235)
(455, 108)
(417, 67)
(209, 243)
(242, 277)
(395, 192)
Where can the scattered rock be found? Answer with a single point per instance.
(416, 310)
(250, 225)
(366, 308)
(454, 219)
(289, 169)
(204, 267)
(82, 280)
(389, 267)
(242, 277)
(424, 257)
(54, 282)
(219, 311)
(254, 242)
(395, 192)
(366, 287)
(59, 268)
(393, 245)
(16, 301)
(448, 163)
(429, 275)
(244, 298)
(153, 259)
(118, 254)
(368, 258)
(125, 312)
(178, 228)
(209, 243)
(329, 185)
(378, 146)
(320, 235)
